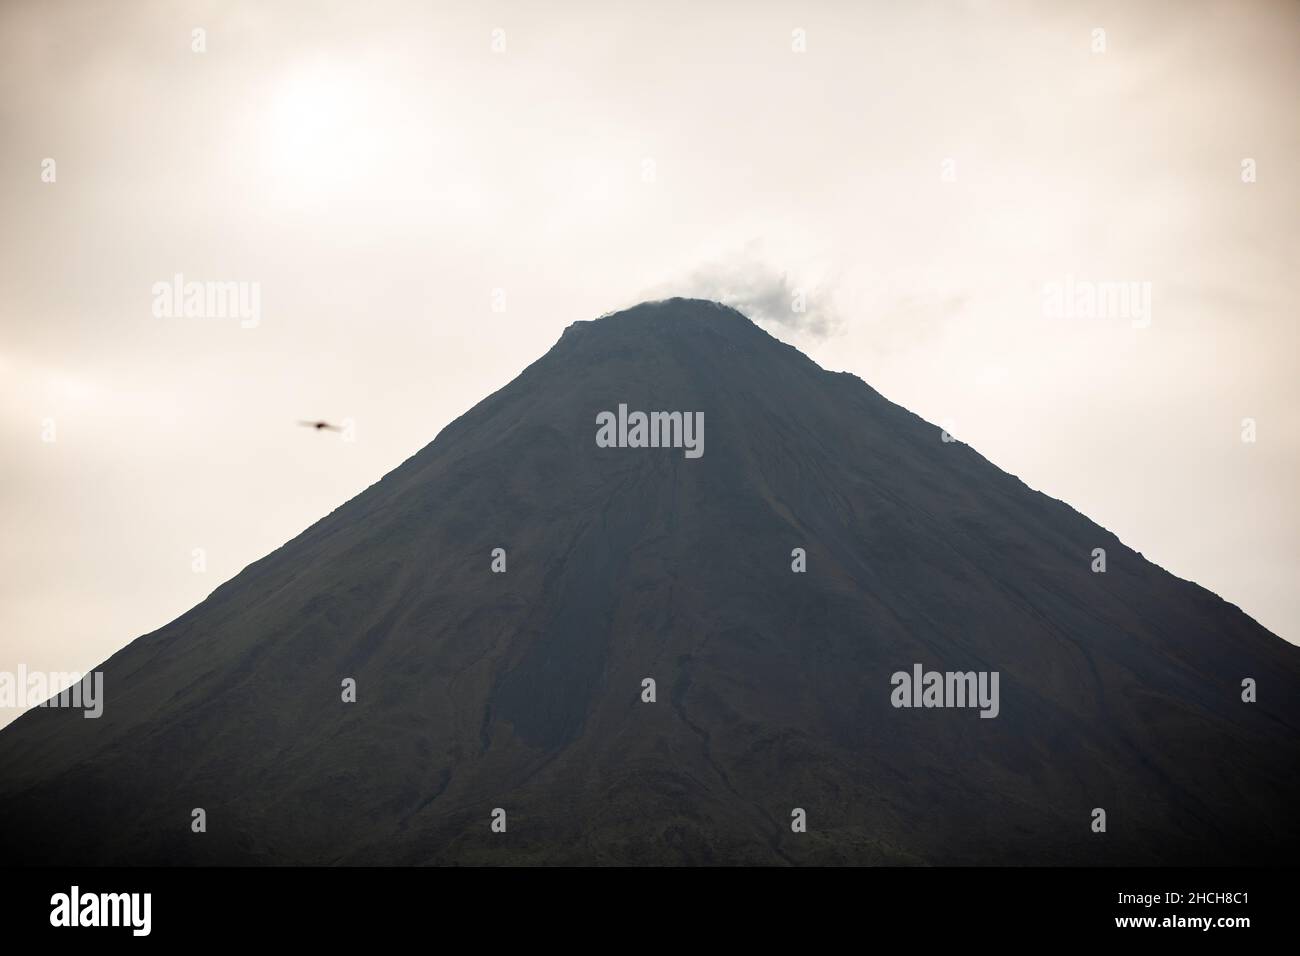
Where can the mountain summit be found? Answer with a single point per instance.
(832, 636)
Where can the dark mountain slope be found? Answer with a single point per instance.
(522, 690)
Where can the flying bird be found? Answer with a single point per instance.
(319, 425)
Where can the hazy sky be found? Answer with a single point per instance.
(920, 172)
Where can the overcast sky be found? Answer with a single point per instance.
(918, 172)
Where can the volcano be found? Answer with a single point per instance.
(528, 646)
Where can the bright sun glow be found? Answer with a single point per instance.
(322, 131)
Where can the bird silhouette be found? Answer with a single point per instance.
(319, 425)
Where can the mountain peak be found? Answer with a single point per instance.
(673, 314)
(501, 599)
(680, 307)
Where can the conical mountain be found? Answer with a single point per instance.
(774, 689)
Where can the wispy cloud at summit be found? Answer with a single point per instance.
(765, 293)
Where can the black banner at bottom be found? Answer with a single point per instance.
(134, 906)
